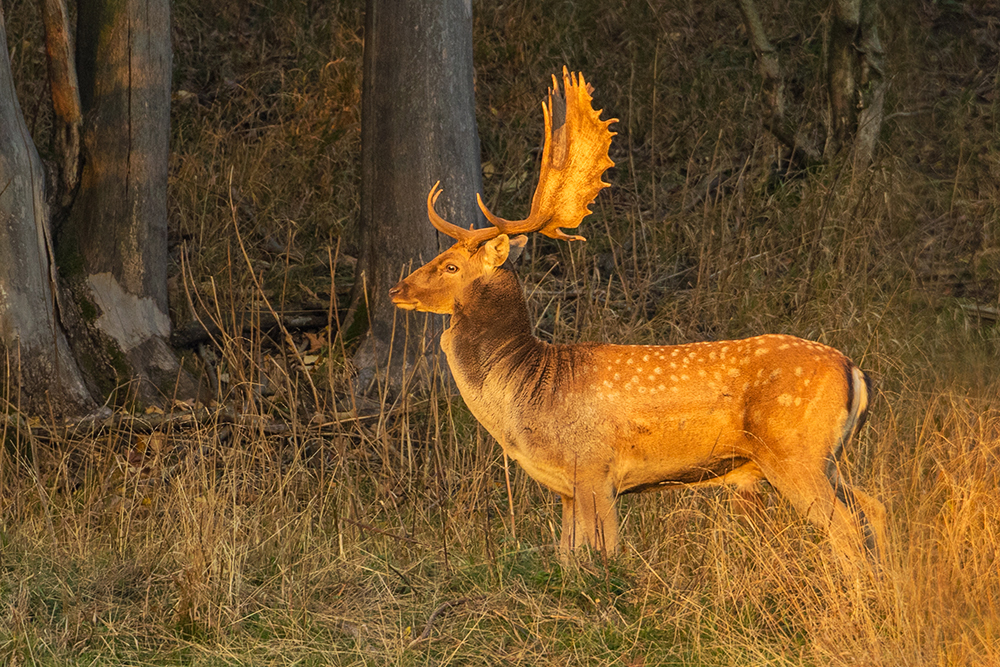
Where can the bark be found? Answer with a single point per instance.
(37, 371)
(418, 126)
(113, 248)
(65, 95)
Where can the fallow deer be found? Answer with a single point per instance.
(594, 421)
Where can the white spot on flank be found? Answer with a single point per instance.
(657, 370)
(785, 399)
(760, 350)
(673, 378)
(798, 371)
(618, 376)
(685, 378)
(674, 389)
(798, 401)
(629, 360)
(645, 357)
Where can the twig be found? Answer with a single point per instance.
(373, 529)
(433, 617)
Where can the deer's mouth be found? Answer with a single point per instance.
(405, 304)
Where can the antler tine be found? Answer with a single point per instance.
(574, 158)
(470, 237)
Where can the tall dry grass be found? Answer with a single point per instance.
(296, 523)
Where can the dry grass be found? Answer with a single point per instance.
(303, 526)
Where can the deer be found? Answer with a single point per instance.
(595, 421)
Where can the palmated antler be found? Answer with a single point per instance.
(574, 157)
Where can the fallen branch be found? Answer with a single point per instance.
(195, 417)
(194, 333)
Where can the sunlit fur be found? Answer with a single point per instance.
(592, 422)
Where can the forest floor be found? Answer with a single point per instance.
(296, 521)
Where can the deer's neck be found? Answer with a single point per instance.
(490, 331)
(506, 375)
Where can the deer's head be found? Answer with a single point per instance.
(437, 285)
(574, 157)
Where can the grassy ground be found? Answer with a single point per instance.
(303, 526)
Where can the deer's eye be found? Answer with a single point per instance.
(451, 268)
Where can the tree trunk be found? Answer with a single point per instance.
(841, 79)
(39, 374)
(418, 126)
(873, 82)
(776, 118)
(113, 247)
(856, 85)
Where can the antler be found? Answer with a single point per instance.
(470, 237)
(574, 158)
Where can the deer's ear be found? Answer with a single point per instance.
(516, 246)
(495, 251)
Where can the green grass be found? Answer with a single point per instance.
(336, 539)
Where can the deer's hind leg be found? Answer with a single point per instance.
(869, 513)
(826, 505)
